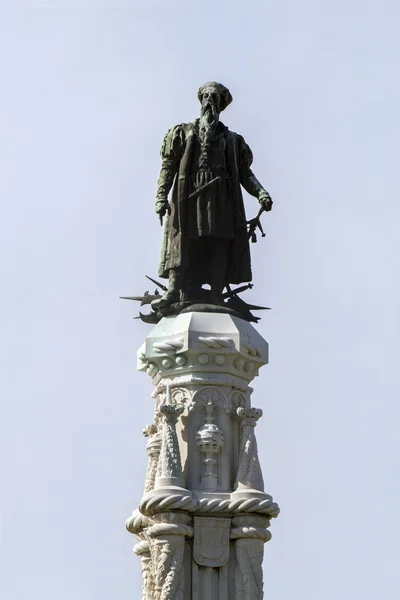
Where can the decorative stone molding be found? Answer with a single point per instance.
(263, 505)
(216, 342)
(193, 380)
(193, 340)
(168, 346)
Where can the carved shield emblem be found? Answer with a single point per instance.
(211, 541)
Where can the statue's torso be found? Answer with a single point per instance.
(211, 212)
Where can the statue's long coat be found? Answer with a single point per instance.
(177, 153)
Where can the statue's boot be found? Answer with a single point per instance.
(172, 295)
(216, 293)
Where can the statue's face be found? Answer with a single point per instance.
(211, 97)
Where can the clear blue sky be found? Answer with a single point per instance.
(88, 91)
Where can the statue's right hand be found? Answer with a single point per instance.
(162, 207)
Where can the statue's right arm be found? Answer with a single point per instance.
(170, 155)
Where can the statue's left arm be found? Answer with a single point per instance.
(170, 154)
(247, 178)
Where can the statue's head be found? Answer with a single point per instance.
(214, 95)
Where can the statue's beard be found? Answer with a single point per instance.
(209, 118)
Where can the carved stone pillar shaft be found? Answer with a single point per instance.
(142, 549)
(250, 534)
(167, 534)
(153, 449)
(169, 470)
(249, 475)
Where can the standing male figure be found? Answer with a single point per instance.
(205, 236)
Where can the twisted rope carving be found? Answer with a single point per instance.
(265, 507)
(252, 350)
(170, 529)
(216, 342)
(155, 504)
(141, 548)
(250, 532)
(168, 346)
(136, 522)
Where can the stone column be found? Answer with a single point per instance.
(250, 534)
(204, 507)
(167, 534)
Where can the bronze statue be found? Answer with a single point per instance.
(205, 236)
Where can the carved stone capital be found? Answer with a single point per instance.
(150, 430)
(171, 413)
(249, 416)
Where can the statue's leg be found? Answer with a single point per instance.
(218, 261)
(172, 295)
(194, 274)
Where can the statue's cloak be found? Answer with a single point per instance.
(177, 154)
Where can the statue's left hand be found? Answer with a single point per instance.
(266, 203)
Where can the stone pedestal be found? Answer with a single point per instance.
(204, 516)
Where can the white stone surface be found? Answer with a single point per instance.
(204, 479)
